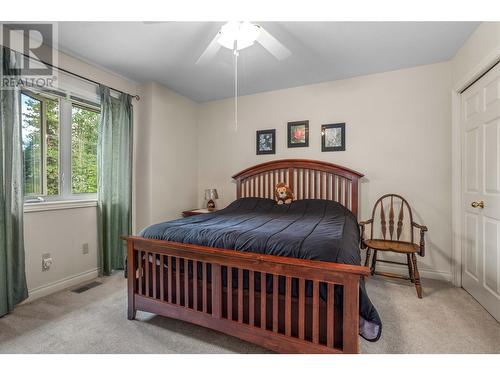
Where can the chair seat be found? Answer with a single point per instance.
(388, 245)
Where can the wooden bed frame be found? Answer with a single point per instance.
(278, 321)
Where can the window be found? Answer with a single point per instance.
(40, 121)
(59, 139)
(84, 150)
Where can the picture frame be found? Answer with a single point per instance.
(333, 137)
(298, 134)
(265, 142)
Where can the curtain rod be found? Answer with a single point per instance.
(135, 96)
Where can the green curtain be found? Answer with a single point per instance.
(12, 273)
(115, 178)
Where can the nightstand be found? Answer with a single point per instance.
(196, 211)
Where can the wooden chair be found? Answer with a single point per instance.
(398, 240)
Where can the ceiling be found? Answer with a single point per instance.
(321, 51)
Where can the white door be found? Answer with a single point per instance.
(480, 111)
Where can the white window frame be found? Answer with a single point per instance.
(65, 172)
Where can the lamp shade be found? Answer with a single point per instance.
(211, 194)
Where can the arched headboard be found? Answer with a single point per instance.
(309, 179)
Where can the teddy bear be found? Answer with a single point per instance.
(283, 193)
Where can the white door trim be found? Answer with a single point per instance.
(456, 161)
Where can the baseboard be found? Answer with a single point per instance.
(62, 284)
(424, 273)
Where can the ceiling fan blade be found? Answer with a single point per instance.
(272, 44)
(210, 51)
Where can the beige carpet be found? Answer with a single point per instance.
(446, 320)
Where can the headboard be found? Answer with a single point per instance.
(309, 179)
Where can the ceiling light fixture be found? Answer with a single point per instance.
(238, 35)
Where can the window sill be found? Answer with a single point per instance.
(59, 205)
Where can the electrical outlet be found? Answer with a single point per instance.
(46, 261)
(85, 248)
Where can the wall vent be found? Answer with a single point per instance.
(86, 287)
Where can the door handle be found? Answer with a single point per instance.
(479, 204)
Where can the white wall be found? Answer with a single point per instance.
(398, 133)
(483, 44)
(142, 161)
(167, 155)
(61, 233)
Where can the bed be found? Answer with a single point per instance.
(286, 277)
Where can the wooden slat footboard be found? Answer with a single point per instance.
(294, 319)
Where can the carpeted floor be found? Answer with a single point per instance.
(446, 320)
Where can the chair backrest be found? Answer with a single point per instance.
(392, 219)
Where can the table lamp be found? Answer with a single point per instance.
(210, 195)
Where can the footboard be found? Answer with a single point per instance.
(226, 291)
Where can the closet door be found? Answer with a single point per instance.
(480, 111)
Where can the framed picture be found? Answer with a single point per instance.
(298, 134)
(333, 137)
(266, 142)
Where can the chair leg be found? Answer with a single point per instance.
(416, 275)
(367, 259)
(374, 262)
(410, 269)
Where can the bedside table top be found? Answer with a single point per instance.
(197, 211)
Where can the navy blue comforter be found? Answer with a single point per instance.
(306, 229)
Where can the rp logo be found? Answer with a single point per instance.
(35, 41)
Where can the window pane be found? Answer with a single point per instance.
(52, 139)
(84, 150)
(32, 150)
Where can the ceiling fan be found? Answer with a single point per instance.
(237, 35)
